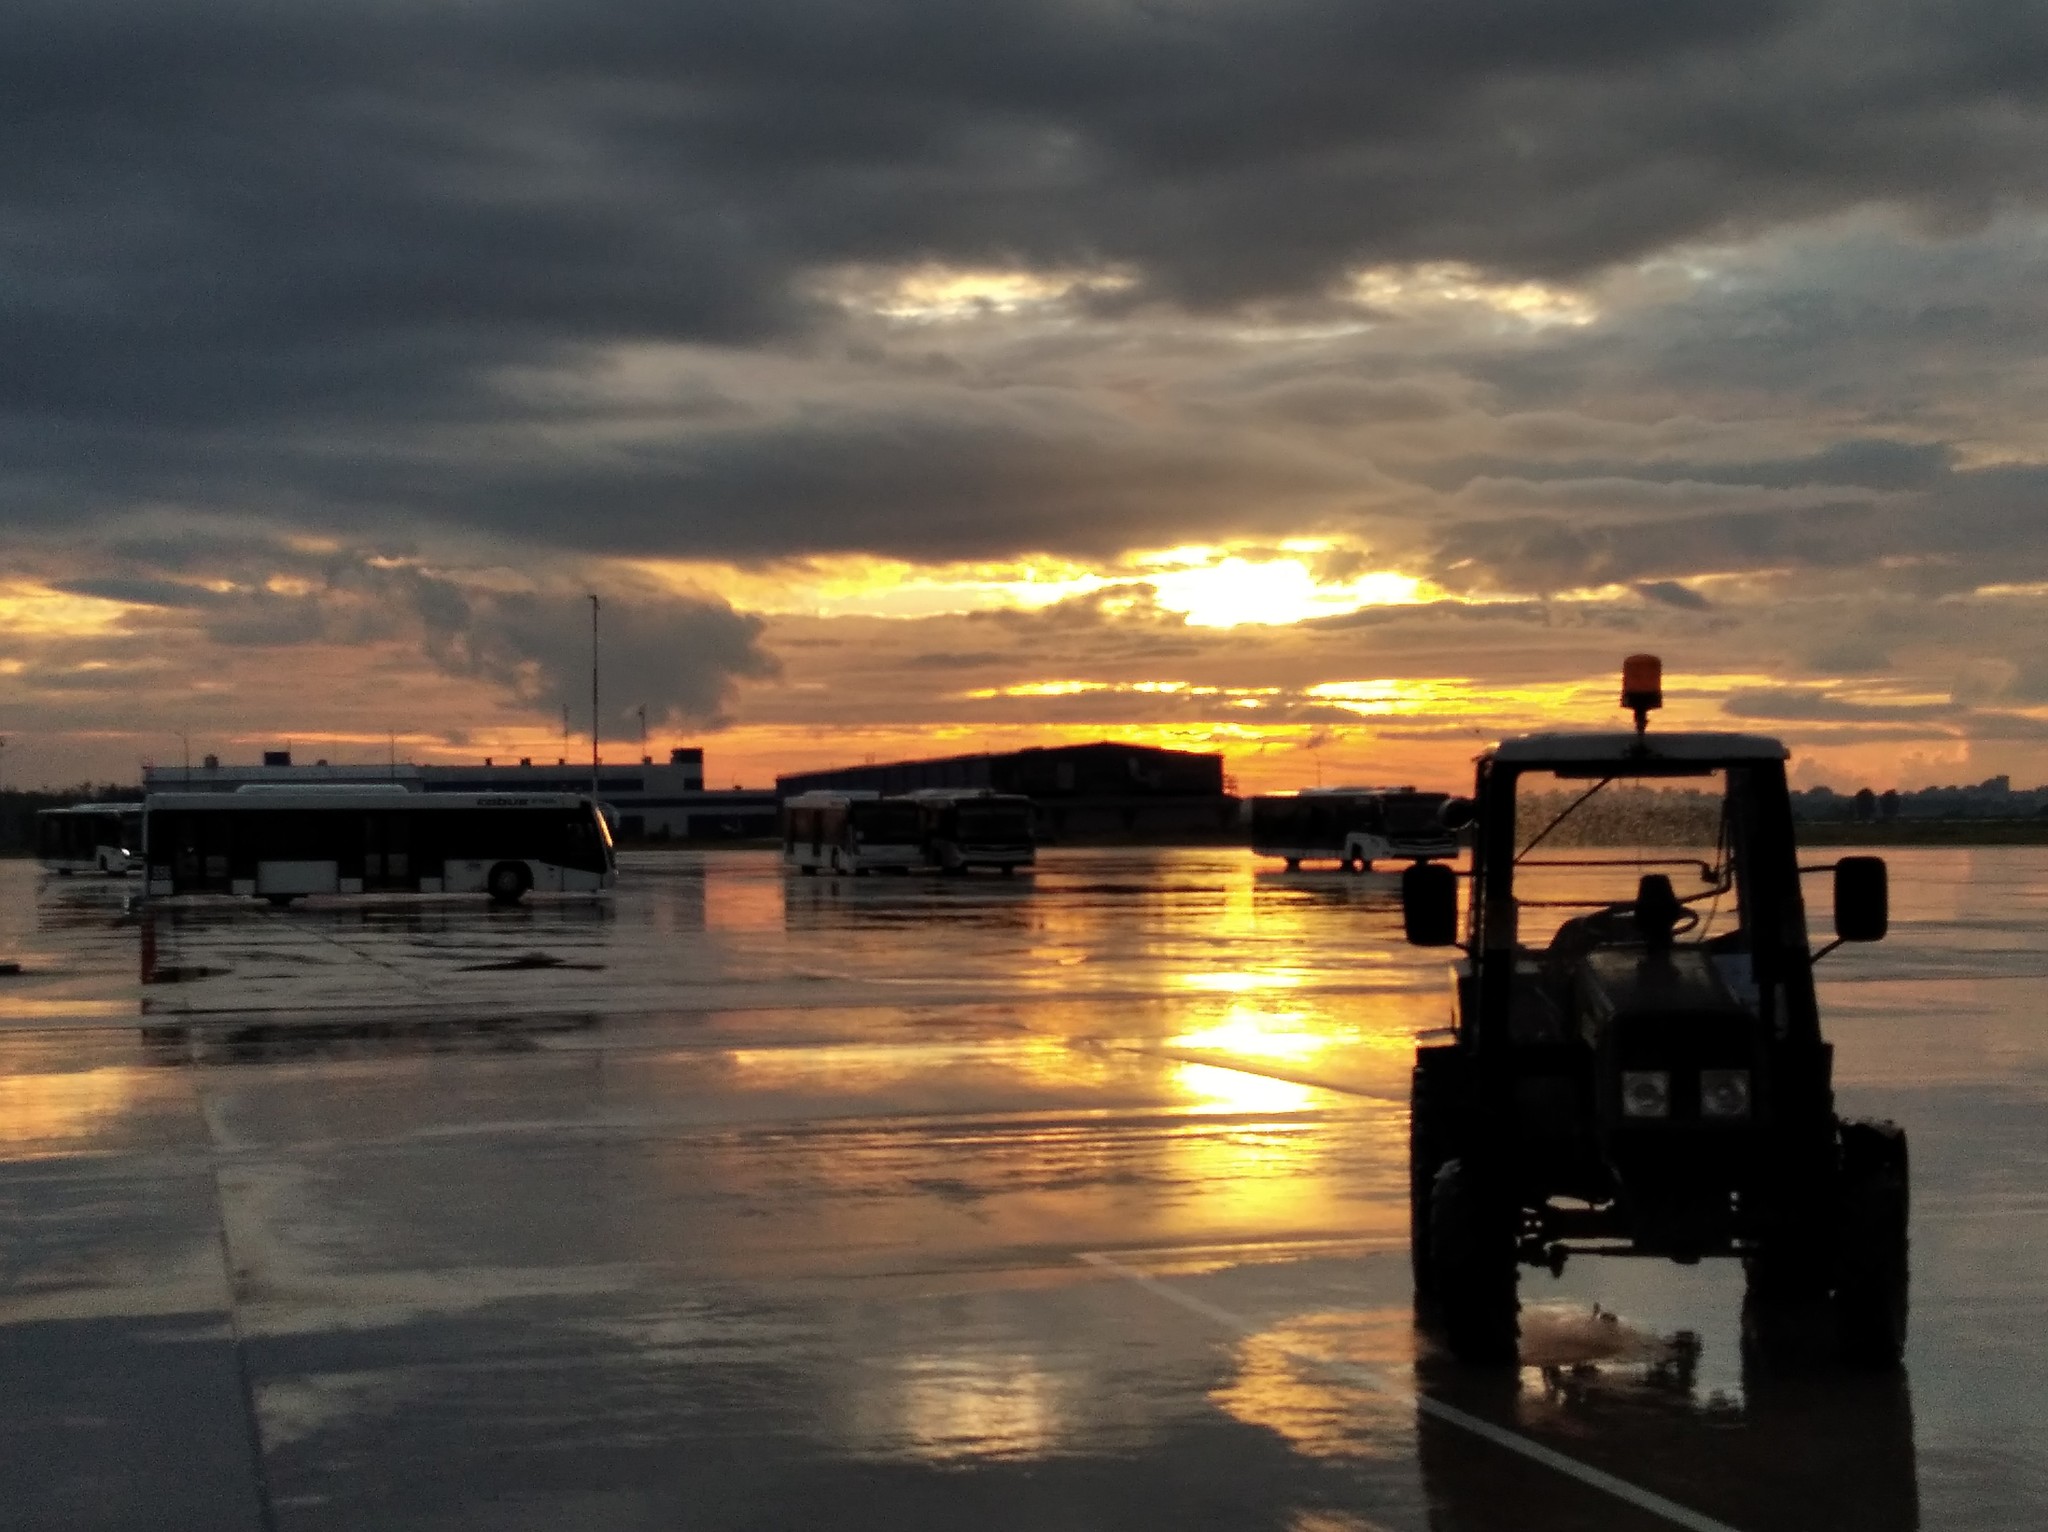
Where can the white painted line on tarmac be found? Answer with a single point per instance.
(1386, 1384)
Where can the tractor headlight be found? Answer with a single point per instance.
(1724, 1093)
(1646, 1093)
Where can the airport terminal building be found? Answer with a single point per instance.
(653, 801)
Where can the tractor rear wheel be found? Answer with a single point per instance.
(1871, 1279)
(1473, 1226)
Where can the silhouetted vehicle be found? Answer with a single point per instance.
(966, 828)
(282, 843)
(1638, 1070)
(90, 837)
(852, 832)
(1352, 826)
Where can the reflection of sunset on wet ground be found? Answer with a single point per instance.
(1069, 1199)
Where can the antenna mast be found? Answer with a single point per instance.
(593, 699)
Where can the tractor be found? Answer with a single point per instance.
(1636, 1065)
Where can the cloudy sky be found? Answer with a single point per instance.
(1334, 383)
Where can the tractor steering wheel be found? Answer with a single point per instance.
(1617, 922)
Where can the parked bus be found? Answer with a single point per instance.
(281, 843)
(90, 837)
(854, 832)
(973, 827)
(1352, 826)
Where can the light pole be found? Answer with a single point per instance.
(593, 699)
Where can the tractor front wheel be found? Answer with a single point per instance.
(1432, 1113)
(1473, 1226)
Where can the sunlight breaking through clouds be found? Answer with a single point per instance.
(1450, 286)
(936, 294)
(29, 608)
(1210, 587)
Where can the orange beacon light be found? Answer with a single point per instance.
(1642, 687)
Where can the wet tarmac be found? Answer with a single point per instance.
(1068, 1201)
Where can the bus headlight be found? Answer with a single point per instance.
(1724, 1093)
(1646, 1093)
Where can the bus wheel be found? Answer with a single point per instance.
(508, 882)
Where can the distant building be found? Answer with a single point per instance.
(652, 801)
(1102, 789)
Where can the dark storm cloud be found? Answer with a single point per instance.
(252, 258)
(1671, 593)
(677, 658)
(1875, 464)
(678, 655)
(1805, 704)
(1954, 531)
(925, 482)
(135, 591)
(1547, 555)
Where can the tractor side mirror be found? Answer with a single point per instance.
(1456, 813)
(1429, 905)
(1862, 899)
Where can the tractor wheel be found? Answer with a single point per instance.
(1871, 1244)
(508, 882)
(1785, 1294)
(1473, 1226)
(1432, 1109)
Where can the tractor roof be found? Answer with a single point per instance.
(1623, 748)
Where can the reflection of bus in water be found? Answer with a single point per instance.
(281, 843)
(90, 837)
(853, 832)
(973, 827)
(1352, 826)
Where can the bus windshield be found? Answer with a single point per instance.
(1412, 813)
(995, 821)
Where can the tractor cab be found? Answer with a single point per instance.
(1638, 1065)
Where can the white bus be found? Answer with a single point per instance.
(974, 827)
(852, 832)
(90, 837)
(281, 844)
(1352, 826)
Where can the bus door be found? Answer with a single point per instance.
(387, 852)
(199, 844)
